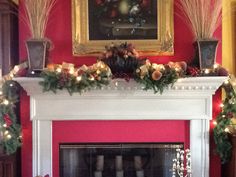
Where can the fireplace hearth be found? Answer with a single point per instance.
(117, 160)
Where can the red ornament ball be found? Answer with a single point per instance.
(222, 72)
(193, 71)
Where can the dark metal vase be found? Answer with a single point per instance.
(206, 53)
(37, 54)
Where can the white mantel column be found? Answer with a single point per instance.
(42, 148)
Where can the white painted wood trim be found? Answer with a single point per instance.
(42, 148)
(189, 99)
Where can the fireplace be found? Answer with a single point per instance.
(117, 160)
(189, 99)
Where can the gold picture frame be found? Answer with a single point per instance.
(163, 44)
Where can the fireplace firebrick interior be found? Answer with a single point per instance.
(117, 160)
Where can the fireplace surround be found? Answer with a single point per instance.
(189, 99)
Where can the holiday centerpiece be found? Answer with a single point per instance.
(203, 17)
(123, 59)
(159, 76)
(36, 18)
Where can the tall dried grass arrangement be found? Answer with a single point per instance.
(37, 15)
(202, 16)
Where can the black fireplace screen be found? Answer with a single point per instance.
(117, 160)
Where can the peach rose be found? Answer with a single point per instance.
(156, 75)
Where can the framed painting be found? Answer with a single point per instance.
(148, 24)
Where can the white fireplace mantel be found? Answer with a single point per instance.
(189, 99)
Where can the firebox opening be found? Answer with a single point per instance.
(117, 159)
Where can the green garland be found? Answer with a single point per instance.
(9, 129)
(224, 124)
(86, 78)
(165, 77)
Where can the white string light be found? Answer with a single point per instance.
(227, 130)
(6, 102)
(6, 132)
(79, 78)
(59, 70)
(216, 66)
(221, 105)
(226, 82)
(207, 71)
(214, 122)
(91, 78)
(72, 71)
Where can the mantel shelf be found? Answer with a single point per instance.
(187, 85)
(188, 99)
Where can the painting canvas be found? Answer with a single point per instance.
(122, 19)
(97, 23)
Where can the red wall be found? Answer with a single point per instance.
(59, 32)
(116, 131)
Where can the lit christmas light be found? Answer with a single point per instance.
(226, 82)
(207, 71)
(11, 85)
(91, 78)
(227, 130)
(4, 125)
(221, 105)
(216, 66)
(59, 70)
(6, 132)
(179, 80)
(16, 68)
(98, 71)
(177, 69)
(79, 78)
(11, 75)
(6, 102)
(9, 136)
(32, 72)
(71, 71)
(214, 123)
